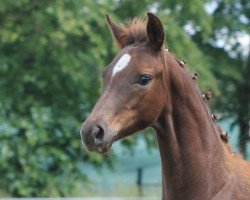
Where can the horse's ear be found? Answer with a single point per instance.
(116, 30)
(155, 32)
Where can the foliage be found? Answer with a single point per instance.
(47, 51)
(232, 63)
(51, 55)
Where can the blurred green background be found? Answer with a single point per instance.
(51, 55)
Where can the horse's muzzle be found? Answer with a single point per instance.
(95, 138)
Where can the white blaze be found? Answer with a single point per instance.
(121, 64)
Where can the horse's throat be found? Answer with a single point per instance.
(191, 153)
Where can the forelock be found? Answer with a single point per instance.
(134, 31)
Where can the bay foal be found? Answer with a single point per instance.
(145, 86)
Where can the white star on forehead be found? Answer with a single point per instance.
(121, 63)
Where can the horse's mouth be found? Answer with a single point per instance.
(98, 149)
(102, 148)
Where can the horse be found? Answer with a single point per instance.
(146, 86)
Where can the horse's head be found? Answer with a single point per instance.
(134, 93)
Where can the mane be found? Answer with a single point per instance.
(134, 31)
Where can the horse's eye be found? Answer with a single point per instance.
(144, 79)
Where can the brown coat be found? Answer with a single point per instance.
(145, 85)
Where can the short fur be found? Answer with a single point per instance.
(197, 161)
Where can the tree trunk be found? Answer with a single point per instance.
(244, 115)
(243, 137)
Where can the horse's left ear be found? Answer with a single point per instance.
(116, 30)
(155, 32)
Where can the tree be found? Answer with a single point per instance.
(51, 51)
(232, 63)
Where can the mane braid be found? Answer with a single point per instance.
(223, 136)
(134, 31)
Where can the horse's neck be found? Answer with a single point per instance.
(191, 152)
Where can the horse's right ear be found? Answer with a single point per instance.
(117, 31)
(155, 32)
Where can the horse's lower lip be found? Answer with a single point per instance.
(104, 149)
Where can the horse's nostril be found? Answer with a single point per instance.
(98, 134)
